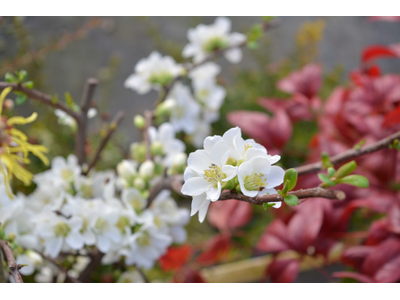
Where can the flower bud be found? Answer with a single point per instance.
(157, 148)
(34, 257)
(126, 169)
(139, 121)
(146, 170)
(138, 152)
(139, 183)
(165, 108)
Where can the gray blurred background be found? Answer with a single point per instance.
(110, 51)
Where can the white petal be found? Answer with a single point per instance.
(75, 241)
(261, 165)
(230, 172)
(53, 246)
(103, 243)
(275, 176)
(210, 141)
(198, 161)
(223, 24)
(197, 202)
(89, 238)
(220, 153)
(203, 210)
(252, 152)
(234, 55)
(214, 193)
(195, 186)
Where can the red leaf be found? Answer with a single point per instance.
(305, 225)
(306, 81)
(377, 233)
(230, 214)
(175, 257)
(355, 256)
(280, 128)
(394, 219)
(216, 248)
(283, 271)
(390, 272)
(274, 238)
(357, 276)
(377, 51)
(382, 254)
(392, 118)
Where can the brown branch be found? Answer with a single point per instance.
(96, 260)
(80, 139)
(39, 96)
(113, 126)
(301, 194)
(12, 265)
(54, 262)
(350, 154)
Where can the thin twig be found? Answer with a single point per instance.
(301, 194)
(39, 96)
(113, 126)
(12, 265)
(55, 263)
(80, 139)
(350, 154)
(96, 260)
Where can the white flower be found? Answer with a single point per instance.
(65, 119)
(132, 198)
(186, 111)
(200, 204)
(105, 228)
(206, 72)
(92, 112)
(31, 259)
(146, 246)
(58, 230)
(208, 172)
(146, 170)
(93, 186)
(211, 96)
(257, 174)
(164, 143)
(153, 72)
(205, 39)
(126, 170)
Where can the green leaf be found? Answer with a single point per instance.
(358, 145)
(285, 187)
(267, 204)
(279, 192)
(331, 171)
(290, 175)
(326, 161)
(325, 179)
(28, 84)
(10, 77)
(22, 75)
(355, 180)
(291, 200)
(21, 99)
(69, 100)
(253, 45)
(346, 169)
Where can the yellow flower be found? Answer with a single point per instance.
(12, 143)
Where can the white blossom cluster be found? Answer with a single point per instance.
(193, 108)
(69, 212)
(230, 162)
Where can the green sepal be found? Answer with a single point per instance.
(238, 189)
(291, 200)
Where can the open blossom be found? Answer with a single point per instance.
(164, 143)
(153, 72)
(205, 39)
(208, 173)
(224, 157)
(58, 230)
(186, 110)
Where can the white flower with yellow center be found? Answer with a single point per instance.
(257, 174)
(205, 39)
(133, 200)
(146, 246)
(208, 172)
(106, 230)
(58, 230)
(153, 72)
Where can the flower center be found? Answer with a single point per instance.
(215, 43)
(122, 223)
(163, 78)
(62, 229)
(66, 174)
(214, 174)
(144, 239)
(87, 191)
(255, 181)
(101, 224)
(136, 204)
